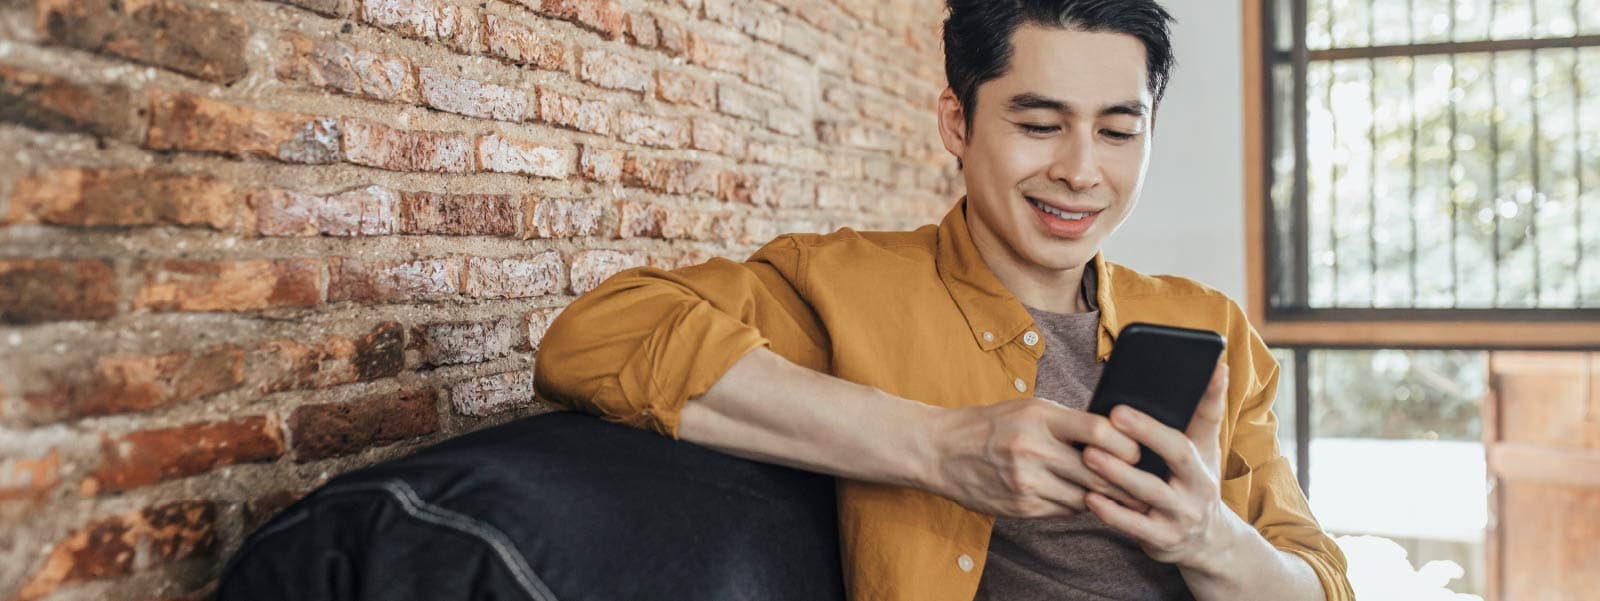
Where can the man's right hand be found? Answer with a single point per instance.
(1016, 459)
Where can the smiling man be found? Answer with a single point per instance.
(941, 373)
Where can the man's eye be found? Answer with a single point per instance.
(1118, 135)
(1038, 129)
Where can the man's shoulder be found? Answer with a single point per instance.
(1170, 299)
(852, 246)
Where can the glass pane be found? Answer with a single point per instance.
(1511, 223)
(1557, 213)
(1589, 16)
(1431, 21)
(1555, 18)
(1283, 163)
(1318, 17)
(1589, 176)
(1406, 423)
(1351, 23)
(1322, 172)
(1511, 19)
(1394, 229)
(1352, 187)
(1391, 23)
(1472, 20)
(1476, 144)
(1283, 407)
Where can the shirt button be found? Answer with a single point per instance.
(1021, 386)
(1031, 338)
(964, 562)
(988, 336)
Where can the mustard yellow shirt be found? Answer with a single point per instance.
(917, 314)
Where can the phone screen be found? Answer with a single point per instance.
(1162, 371)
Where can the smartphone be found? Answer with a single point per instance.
(1162, 371)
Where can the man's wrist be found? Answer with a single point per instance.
(1218, 556)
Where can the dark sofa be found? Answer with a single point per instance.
(560, 506)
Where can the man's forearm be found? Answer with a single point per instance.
(769, 409)
(1251, 568)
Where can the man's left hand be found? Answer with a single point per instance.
(1187, 522)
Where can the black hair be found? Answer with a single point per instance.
(977, 37)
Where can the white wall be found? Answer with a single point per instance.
(1190, 219)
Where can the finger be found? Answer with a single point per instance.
(1071, 425)
(1070, 467)
(1141, 484)
(1171, 445)
(1137, 525)
(1206, 426)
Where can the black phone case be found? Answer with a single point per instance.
(1162, 371)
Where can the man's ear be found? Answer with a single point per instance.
(952, 124)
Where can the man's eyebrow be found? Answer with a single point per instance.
(1028, 101)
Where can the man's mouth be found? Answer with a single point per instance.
(1067, 215)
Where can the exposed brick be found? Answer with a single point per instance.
(331, 8)
(539, 322)
(39, 290)
(458, 27)
(602, 16)
(126, 543)
(339, 66)
(714, 54)
(701, 225)
(185, 285)
(149, 456)
(563, 217)
(650, 130)
(641, 29)
(591, 267)
(519, 44)
(783, 192)
(181, 121)
(613, 70)
(131, 383)
(374, 145)
(678, 87)
(50, 103)
(30, 478)
(459, 343)
(789, 122)
(505, 155)
(261, 508)
(733, 186)
(513, 277)
(470, 97)
(786, 154)
(489, 395)
(793, 79)
(593, 116)
(673, 38)
(857, 136)
(741, 101)
(363, 280)
(332, 429)
(199, 42)
(287, 364)
(459, 214)
(835, 197)
(368, 211)
(639, 219)
(123, 197)
(671, 176)
(710, 135)
(599, 164)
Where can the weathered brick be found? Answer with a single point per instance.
(714, 54)
(126, 543)
(199, 42)
(641, 29)
(459, 214)
(39, 290)
(364, 280)
(790, 122)
(783, 192)
(539, 321)
(733, 186)
(123, 197)
(639, 219)
(786, 154)
(459, 343)
(374, 145)
(711, 135)
(671, 176)
(288, 364)
(331, 8)
(180, 121)
(247, 285)
(460, 28)
(472, 98)
(521, 45)
(673, 37)
(613, 70)
(856, 135)
(50, 103)
(563, 217)
(743, 102)
(332, 429)
(488, 395)
(603, 16)
(457, 26)
(650, 130)
(834, 197)
(599, 164)
(367, 211)
(678, 87)
(504, 155)
(518, 277)
(593, 116)
(146, 457)
(591, 267)
(30, 478)
(793, 79)
(339, 66)
(132, 383)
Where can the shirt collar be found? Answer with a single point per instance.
(988, 306)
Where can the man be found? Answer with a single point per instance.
(941, 373)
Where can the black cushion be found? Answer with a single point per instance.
(558, 506)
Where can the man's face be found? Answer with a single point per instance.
(1068, 125)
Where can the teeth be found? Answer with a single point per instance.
(1057, 212)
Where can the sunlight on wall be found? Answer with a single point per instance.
(1380, 571)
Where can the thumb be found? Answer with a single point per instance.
(1206, 427)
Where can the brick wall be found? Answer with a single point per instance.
(246, 245)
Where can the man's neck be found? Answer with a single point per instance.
(1037, 286)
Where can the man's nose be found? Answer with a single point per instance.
(1076, 164)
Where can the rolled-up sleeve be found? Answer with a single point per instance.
(644, 342)
(1259, 486)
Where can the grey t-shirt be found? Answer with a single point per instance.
(1078, 557)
